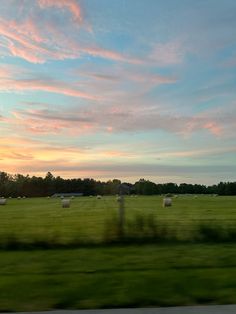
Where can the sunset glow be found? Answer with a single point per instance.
(122, 89)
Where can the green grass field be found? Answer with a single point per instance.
(167, 273)
(93, 221)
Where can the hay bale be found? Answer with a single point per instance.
(99, 197)
(3, 201)
(167, 202)
(18, 197)
(65, 203)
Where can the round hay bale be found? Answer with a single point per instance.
(18, 197)
(65, 203)
(99, 197)
(3, 201)
(167, 202)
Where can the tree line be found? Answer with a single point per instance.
(32, 186)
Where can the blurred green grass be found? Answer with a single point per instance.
(131, 276)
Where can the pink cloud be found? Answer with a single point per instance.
(4, 72)
(213, 127)
(23, 45)
(70, 5)
(37, 122)
(10, 82)
(28, 28)
(40, 85)
(201, 123)
(37, 43)
(119, 83)
(108, 54)
(110, 120)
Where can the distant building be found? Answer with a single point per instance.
(67, 194)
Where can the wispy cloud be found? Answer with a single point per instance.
(10, 81)
(36, 40)
(50, 85)
(195, 153)
(121, 83)
(70, 5)
(112, 120)
(85, 83)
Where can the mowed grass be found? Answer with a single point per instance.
(91, 220)
(109, 277)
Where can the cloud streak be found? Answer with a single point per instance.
(111, 120)
(9, 82)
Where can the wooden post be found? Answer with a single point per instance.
(123, 190)
(121, 215)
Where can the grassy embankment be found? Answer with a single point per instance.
(117, 277)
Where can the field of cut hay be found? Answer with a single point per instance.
(43, 221)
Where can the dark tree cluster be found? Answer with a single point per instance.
(20, 185)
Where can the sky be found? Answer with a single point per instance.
(123, 89)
